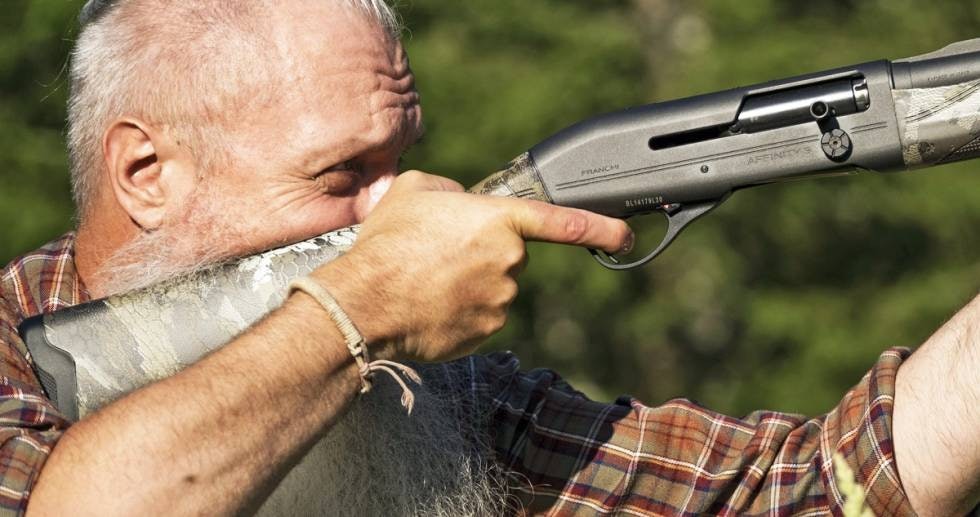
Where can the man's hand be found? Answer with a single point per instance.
(434, 268)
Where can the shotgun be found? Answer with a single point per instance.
(679, 159)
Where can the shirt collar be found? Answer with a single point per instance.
(45, 280)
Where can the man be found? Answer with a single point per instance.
(213, 130)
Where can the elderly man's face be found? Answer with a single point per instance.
(325, 147)
(311, 142)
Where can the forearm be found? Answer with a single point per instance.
(937, 419)
(214, 438)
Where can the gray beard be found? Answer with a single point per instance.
(384, 462)
(154, 257)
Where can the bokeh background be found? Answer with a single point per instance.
(780, 299)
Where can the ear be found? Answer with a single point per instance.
(137, 171)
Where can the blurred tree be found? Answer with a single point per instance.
(35, 203)
(782, 298)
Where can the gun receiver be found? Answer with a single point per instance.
(682, 158)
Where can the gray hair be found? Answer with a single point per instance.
(186, 46)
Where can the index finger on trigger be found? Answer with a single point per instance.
(539, 221)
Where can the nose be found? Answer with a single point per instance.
(371, 194)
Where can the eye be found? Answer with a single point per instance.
(338, 179)
(346, 166)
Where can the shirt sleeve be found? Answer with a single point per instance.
(29, 423)
(577, 456)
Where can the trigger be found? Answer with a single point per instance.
(678, 217)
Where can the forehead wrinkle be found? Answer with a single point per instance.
(353, 86)
(394, 103)
(383, 107)
(394, 111)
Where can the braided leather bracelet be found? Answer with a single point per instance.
(356, 344)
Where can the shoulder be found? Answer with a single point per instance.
(42, 280)
(14, 362)
(29, 285)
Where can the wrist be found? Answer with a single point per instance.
(357, 293)
(318, 337)
(356, 344)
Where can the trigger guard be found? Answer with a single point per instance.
(675, 225)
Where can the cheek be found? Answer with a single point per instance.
(316, 217)
(260, 212)
(251, 225)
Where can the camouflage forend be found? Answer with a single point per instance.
(520, 179)
(939, 125)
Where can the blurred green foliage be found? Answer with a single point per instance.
(782, 298)
(35, 203)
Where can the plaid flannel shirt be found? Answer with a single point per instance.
(578, 457)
